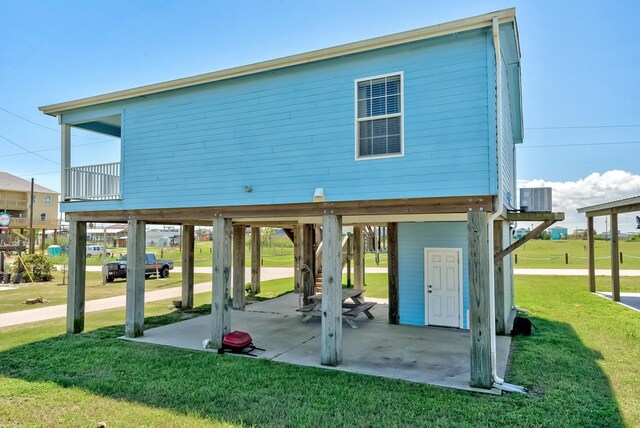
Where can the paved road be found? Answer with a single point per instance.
(59, 311)
(287, 271)
(266, 273)
(574, 272)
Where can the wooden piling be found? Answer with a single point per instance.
(134, 322)
(220, 317)
(238, 266)
(77, 276)
(331, 338)
(479, 318)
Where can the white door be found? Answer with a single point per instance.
(442, 286)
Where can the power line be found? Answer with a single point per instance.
(50, 150)
(583, 127)
(27, 120)
(27, 150)
(525, 146)
(57, 131)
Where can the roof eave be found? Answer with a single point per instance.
(611, 205)
(480, 21)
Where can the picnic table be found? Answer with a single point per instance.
(353, 304)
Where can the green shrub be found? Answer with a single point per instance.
(38, 265)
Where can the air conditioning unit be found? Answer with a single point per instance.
(536, 200)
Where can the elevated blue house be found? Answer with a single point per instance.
(416, 131)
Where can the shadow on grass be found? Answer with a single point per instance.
(568, 387)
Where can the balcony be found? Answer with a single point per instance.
(38, 223)
(93, 182)
(13, 204)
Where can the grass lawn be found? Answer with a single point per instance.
(274, 288)
(580, 365)
(56, 294)
(545, 254)
(375, 285)
(629, 284)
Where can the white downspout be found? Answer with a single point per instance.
(498, 382)
(500, 211)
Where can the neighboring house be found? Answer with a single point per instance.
(520, 233)
(416, 131)
(14, 199)
(162, 237)
(557, 233)
(112, 234)
(621, 235)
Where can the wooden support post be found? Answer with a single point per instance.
(331, 340)
(479, 318)
(297, 259)
(188, 246)
(499, 277)
(238, 266)
(220, 318)
(134, 320)
(349, 257)
(392, 254)
(255, 260)
(308, 260)
(358, 258)
(44, 236)
(592, 256)
(317, 240)
(77, 269)
(615, 263)
(65, 161)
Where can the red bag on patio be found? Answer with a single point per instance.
(237, 340)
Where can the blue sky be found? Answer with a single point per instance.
(580, 72)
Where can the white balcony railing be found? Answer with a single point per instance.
(93, 182)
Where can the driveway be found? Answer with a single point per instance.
(60, 311)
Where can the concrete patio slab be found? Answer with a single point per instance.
(431, 355)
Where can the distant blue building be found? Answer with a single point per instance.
(558, 233)
(520, 233)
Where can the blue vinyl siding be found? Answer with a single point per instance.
(412, 240)
(286, 132)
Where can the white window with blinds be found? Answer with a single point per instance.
(379, 116)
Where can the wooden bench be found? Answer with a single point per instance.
(307, 308)
(350, 312)
(353, 312)
(357, 310)
(309, 311)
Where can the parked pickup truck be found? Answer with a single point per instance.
(153, 266)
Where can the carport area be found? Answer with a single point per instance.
(612, 210)
(430, 355)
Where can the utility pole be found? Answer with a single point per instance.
(31, 235)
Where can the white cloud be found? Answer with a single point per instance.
(594, 189)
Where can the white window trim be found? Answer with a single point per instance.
(357, 120)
